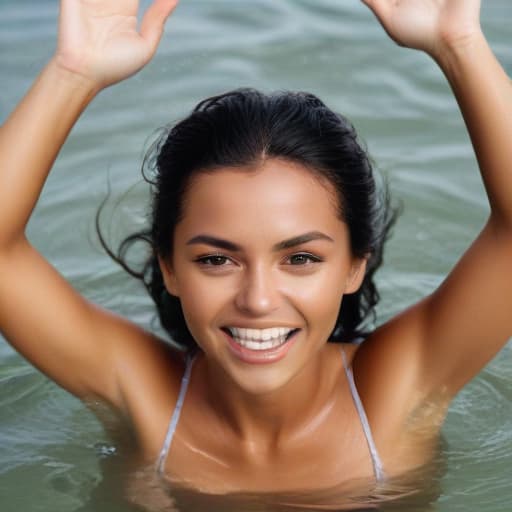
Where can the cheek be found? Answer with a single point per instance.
(202, 299)
(198, 313)
(318, 297)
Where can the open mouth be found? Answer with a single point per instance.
(260, 339)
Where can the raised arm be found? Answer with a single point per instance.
(453, 333)
(40, 314)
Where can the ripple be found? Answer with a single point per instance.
(17, 383)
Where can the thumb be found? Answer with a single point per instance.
(153, 22)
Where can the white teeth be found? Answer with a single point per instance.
(252, 334)
(260, 339)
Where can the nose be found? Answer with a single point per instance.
(258, 292)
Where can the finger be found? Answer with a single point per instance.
(153, 22)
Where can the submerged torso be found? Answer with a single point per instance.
(327, 461)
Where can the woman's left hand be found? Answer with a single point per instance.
(428, 25)
(452, 333)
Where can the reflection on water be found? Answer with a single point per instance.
(54, 455)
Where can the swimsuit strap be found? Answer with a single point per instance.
(175, 415)
(377, 463)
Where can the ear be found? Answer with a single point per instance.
(169, 276)
(356, 275)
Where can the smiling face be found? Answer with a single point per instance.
(261, 261)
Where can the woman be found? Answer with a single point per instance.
(261, 253)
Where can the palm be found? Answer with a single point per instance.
(100, 38)
(427, 24)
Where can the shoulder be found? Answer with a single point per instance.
(149, 372)
(388, 369)
(390, 359)
(404, 418)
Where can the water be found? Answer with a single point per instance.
(51, 446)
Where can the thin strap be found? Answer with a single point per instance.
(377, 463)
(175, 415)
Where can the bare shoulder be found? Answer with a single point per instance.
(404, 416)
(149, 373)
(388, 365)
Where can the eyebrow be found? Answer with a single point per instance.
(280, 246)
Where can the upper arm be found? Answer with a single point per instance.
(68, 338)
(439, 344)
(468, 319)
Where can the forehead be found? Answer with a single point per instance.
(278, 196)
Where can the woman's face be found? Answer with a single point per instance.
(261, 262)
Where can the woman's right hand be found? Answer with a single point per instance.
(101, 41)
(88, 351)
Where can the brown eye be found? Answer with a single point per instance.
(213, 260)
(303, 259)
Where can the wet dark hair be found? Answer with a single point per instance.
(242, 128)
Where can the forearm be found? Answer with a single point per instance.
(31, 139)
(484, 93)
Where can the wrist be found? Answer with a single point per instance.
(455, 51)
(67, 77)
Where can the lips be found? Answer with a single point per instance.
(260, 339)
(260, 345)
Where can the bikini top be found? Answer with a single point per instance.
(376, 461)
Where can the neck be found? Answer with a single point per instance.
(267, 420)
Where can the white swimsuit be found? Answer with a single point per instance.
(376, 461)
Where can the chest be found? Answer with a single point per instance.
(327, 450)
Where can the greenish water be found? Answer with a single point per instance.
(51, 446)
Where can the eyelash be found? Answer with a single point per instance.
(310, 257)
(221, 260)
(207, 260)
